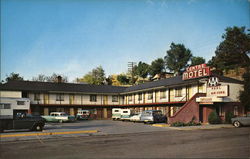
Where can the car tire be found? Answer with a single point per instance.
(237, 124)
(1, 130)
(38, 127)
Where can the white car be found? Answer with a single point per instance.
(136, 117)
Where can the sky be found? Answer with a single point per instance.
(71, 37)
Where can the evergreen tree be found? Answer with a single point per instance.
(177, 58)
(13, 77)
(245, 95)
(232, 51)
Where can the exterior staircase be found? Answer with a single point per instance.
(188, 112)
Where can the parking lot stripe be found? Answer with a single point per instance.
(49, 133)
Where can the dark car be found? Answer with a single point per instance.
(23, 121)
(241, 121)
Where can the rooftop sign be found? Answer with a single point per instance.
(196, 72)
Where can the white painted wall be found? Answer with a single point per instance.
(234, 92)
(8, 113)
(11, 94)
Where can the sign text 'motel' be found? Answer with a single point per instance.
(196, 71)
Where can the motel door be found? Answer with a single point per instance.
(201, 113)
(71, 99)
(105, 100)
(46, 99)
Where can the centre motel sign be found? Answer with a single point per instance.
(196, 72)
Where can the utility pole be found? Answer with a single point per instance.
(131, 66)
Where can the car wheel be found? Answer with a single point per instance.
(60, 121)
(237, 124)
(38, 128)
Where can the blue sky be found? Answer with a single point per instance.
(71, 37)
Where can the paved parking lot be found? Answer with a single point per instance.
(81, 128)
(214, 143)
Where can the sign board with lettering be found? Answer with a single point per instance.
(206, 100)
(218, 91)
(196, 72)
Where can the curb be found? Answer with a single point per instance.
(199, 128)
(161, 125)
(49, 133)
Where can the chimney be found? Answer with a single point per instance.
(59, 79)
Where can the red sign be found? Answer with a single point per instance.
(196, 71)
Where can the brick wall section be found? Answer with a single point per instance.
(229, 107)
(206, 111)
(187, 111)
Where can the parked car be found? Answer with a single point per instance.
(116, 113)
(136, 117)
(241, 121)
(153, 116)
(83, 114)
(59, 117)
(126, 114)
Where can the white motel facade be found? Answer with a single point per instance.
(182, 98)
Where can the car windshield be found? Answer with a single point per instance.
(147, 113)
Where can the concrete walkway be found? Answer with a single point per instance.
(203, 126)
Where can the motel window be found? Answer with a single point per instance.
(20, 102)
(130, 98)
(139, 96)
(60, 97)
(236, 110)
(92, 98)
(114, 98)
(150, 95)
(163, 94)
(221, 112)
(178, 92)
(37, 96)
(4, 106)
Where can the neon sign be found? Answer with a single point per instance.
(196, 72)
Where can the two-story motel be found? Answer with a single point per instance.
(182, 98)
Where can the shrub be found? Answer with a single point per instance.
(179, 124)
(228, 117)
(213, 118)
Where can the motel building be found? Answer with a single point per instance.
(182, 98)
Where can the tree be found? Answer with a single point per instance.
(14, 77)
(142, 69)
(40, 77)
(123, 79)
(196, 60)
(232, 51)
(245, 94)
(52, 78)
(177, 58)
(96, 76)
(157, 67)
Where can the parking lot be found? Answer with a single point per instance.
(116, 139)
(81, 128)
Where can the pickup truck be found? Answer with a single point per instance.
(58, 117)
(23, 121)
(13, 115)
